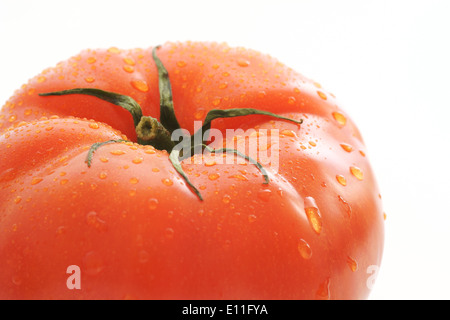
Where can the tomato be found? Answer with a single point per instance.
(83, 219)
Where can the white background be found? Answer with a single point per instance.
(393, 55)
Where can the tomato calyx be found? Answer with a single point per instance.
(159, 134)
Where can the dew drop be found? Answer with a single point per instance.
(36, 180)
(17, 199)
(226, 199)
(213, 176)
(94, 125)
(140, 85)
(137, 160)
(346, 147)
(93, 220)
(199, 113)
(243, 63)
(91, 60)
(216, 101)
(167, 182)
(352, 264)
(129, 61)
(181, 63)
(152, 203)
(264, 195)
(357, 172)
(251, 218)
(323, 292)
(143, 256)
(93, 263)
(169, 232)
(340, 118)
(128, 68)
(102, 175)
(89, 79)
(341, 179)
(288, 133)
(117, 152)
(322, 95)
(313, 214)
(291, 100)
(134, 180)
(304, 249)
(348, 208)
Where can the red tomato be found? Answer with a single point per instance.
(130, 226)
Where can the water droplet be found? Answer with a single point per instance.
(291, 100)
(304, 249)
(93, 220)
(134, 180)
(129, 61)
(91, 60)
(288, 133)
(128, 68)
(357, 172)
(63, 181)
(94, 125)
(181, 63)
(322, 95)
(199, 113)
(93, 263)
(167, 182)
(341, 179)
(89, 79)
(17, 280)
(323, 292)
(264, 195)
(140, 85)
(102, 175)
(213, 176)
(223, 85)
(17, 199)
(352, 264)
(226, 199)
(251, 218)
(143, 256)
(243, 63)
(36, 180)
(346, 147)
(313, 214)
(137, 160)
(348, 208)
(340, 118)
(216, 101)
(117, 152)
(169, 232)
(152, 203)
(41, 79)
(113, 50)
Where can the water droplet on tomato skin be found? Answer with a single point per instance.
(93, 220)
(341, 179)
(168, 233)
(93, 263)
(323, 292)
(340, 118)
(353, 265)
(313, 214)
(304, 249)
(140, 85)
(264, 195)
(357, 172)
(153, 203)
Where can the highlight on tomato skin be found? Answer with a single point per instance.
(190, 170)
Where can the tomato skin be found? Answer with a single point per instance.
(131, 223)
